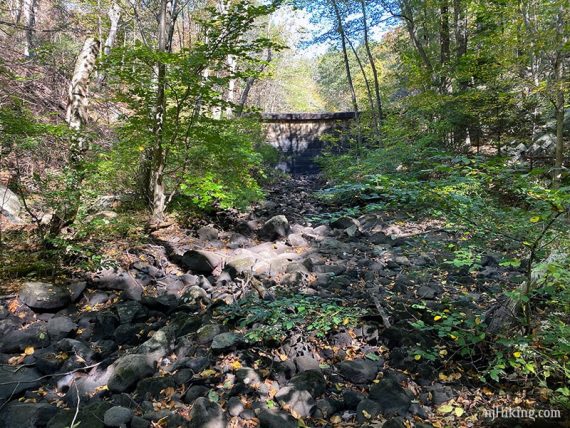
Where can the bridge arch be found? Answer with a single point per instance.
(297, 137)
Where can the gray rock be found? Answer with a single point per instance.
(44, 296)
(10, 206)
(345, 223)
(296, 240)
(310, 380)
(326, 407)
(226, 341)
(117, 416)
(359, 371)
(276, 419)
(160, 344)
(201, 261)
(128, 371)
(118, 279)
(425, 292)
(20, 415)
(206, 414)
(131, 311)
(14, 383)
(60, 327)
(240, 264)
(298, 400)
(275, 228)
(235, 406)
(391, 397)
(194, 392)
(19, 339)
(306, 363)
(366, 410)
(208, 233)
(151, 387)
(206, 333)
(351, 399)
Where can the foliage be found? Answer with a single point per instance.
(273, 320)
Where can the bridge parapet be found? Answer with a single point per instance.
(297, 136)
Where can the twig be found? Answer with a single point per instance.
(77, 407)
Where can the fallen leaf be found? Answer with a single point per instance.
(445, 409)
(29, 350)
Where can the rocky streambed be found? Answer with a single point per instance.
(223, 326)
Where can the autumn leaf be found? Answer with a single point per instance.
(445, 409)
(458, 411)
(29, 350)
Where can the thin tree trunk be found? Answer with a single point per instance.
(114, 16)
(444, 45)
(340, 30)
(559, 102)
(76, 117)
(232, 65)
(366, 82)
(372, 65)
(29, 12)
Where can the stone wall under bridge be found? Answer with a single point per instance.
(297, 136)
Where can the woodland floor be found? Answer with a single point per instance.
(243, 323)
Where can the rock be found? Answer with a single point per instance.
(131, 311)
(60, 327)
(327, 407)
(310, 380)
(394, 423)
(235, 406)
(76, 347)
(76, 289)
(139, 422)
(345, 223)
(18, 340)
(351, 399)
(10, 206)
(90, 416)
(208, 233)
(47, 361)
(117, 416)
(13, 383)
(118, 279)
(226, 341)
(206, 414)
(298, 400)
(391, 397)
(194, 295)
(160, 344)
(151, 387)
(201, 261)
(239, 265)
(44, 296)
(366, 410)
(20, 415)
(237, 240)
(206, 333)
(425, 292)
(128, 371)
(306, 363)
(276, 419)
(296, 240)
(359, 371)
(275, 228)
(194, 392)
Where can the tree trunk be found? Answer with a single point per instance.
(249, 84)
(114, 16)
(76, 117)
(559, 102)
(444, 46)
(29, 13)
(232, 65)
(366, 82)
(158, 158)
(340, 30)
(372, 65)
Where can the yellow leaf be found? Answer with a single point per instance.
(477, 320)
(453, 336)
(283, 357)
(366, 414)
(417, 357)
(29, 350)
(437, 318)
(459, 411)
(535, 219)
(443, 352)
(208, 373)
(345, 321)
(443, 377)
(336, 419)
(236, 365)
(445, 409)
(517, 354)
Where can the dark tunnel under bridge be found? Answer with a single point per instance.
(298, 137)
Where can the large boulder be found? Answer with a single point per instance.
(391, 397)
(15, 382)
(118, 279)
(10, 206)
(359, 371)
(44, 296)
(128, 371)
(19, 415)
(201, 261)
(275, 228)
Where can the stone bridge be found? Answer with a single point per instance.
(298, 137)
